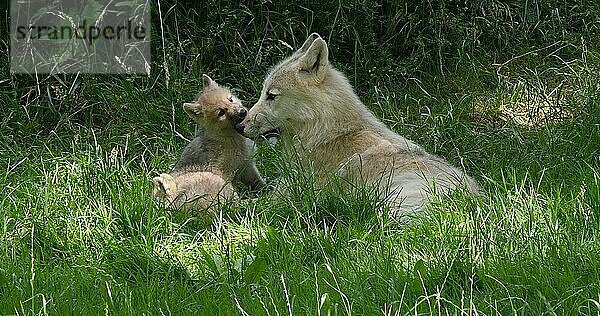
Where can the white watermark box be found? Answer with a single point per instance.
(80, 36)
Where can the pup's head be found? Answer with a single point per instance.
(293, 94)
(216, 109)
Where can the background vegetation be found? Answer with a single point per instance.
(508, 89)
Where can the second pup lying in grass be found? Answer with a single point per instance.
(193, 190)
(215, 158)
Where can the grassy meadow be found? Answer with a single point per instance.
(509, 90)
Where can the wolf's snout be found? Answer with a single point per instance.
(239, 127)
(242, 114)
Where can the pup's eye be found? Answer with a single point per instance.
(271, 96)
(220, 113)
(230, 99)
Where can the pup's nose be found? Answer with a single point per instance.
(239, 127)
(243, 113)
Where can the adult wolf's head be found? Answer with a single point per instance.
(296, 94)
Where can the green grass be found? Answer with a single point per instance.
(511, 92)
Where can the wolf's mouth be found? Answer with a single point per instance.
(270, 133)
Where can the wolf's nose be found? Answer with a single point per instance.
(242, 113)
(239, 128)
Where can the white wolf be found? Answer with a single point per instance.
(313, 107)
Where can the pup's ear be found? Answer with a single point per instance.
(159, 187)
(164, 186)
(311, 38)
(316, 59)
(192, 108)
(189, 106)
(207, 81)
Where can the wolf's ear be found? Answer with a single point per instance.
(192, 109)
(316, 59)
(164, 185)
(311, 38)
(207, 81)
(159, 187)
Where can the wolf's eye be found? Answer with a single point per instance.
(271, 96)
(230, 99)
(220, 113)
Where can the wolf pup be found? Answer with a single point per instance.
(313, 107)
(218, 149)
(193, 190)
